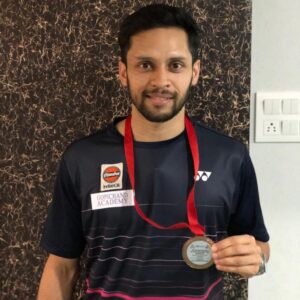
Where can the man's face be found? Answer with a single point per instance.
(159, 72)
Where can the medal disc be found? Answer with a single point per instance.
(197, 252)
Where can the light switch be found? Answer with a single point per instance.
(272, 106)
(285, 127)
(268, 106)
(276, 106)
(294, 127)
(290, 127)
(295, 106)
(287, 106)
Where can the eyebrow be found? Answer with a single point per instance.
(151, 58)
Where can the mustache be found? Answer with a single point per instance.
(159, 91)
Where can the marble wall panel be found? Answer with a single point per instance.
(58, 82)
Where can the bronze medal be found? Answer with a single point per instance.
(197, 252)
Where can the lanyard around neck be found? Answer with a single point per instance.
(193, 223)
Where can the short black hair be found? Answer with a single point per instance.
(158, 16)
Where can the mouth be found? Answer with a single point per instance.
(159, 99)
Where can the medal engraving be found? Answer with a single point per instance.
(197, 252)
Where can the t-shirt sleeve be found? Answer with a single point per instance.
(248, 217)
(63, 234)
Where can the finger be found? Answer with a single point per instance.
(233, 240)
(238, 261)
(237, 250)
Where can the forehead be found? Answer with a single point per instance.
(160, 42)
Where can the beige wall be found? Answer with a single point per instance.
(276, 67)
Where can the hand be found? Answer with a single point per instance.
(237, 254)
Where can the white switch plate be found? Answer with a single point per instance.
(271, 125)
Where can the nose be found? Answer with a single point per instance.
(160, 77)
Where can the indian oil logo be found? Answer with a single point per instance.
(111, 174)
(111, 177)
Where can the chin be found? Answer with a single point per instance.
(159, 117)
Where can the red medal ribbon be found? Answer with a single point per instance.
(193, 224)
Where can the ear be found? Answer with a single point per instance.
(122, 73)
(196, 72)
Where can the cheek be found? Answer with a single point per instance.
(182, 85)
(138, 83)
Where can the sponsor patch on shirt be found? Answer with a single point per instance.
(111, 177)
(112, 199)
(203, 175)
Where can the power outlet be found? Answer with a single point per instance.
(272, 127)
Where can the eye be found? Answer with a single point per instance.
(176, 66)
(145, 66)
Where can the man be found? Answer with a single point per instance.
(155, 225)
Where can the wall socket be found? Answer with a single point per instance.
(272, 127)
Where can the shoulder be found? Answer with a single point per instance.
(88, 145)
(216, 140)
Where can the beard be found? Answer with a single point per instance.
(154, 115)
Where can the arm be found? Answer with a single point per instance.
(58, 278)
(240, 254)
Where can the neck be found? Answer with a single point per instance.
(146, 131)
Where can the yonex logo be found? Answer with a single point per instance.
(203, 175)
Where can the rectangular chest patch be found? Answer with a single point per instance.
(111, 177)
(112, 199)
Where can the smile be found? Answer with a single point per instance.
(159, 100)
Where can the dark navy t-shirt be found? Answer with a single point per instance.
(127, 258)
